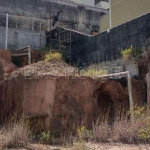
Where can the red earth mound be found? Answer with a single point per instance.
(54, 67)
(6, 66)
(5, 54)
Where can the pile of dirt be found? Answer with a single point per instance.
(139, 92)
(54, 67)
(5, 54)
(6, 66)
(114, 96)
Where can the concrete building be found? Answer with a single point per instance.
(124, 11)
(28, 20)
(102, 4)
(85, 2)
(94, 3)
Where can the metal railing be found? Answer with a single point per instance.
(18, 52)
(129, 90)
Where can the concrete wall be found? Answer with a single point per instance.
(107, 46)
(117, 65)
(124, 11)
(25, 17)
(87, 2)
(103, 4)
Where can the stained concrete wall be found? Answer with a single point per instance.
(107, 46)
(24, 20)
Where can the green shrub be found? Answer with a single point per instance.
(53, 55)
(48, 137)
(84, 134)
(144, 134)
(127, 54)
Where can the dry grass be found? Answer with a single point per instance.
(123, 130)
(80, 146)
(53, 55)
(120, 131)
(16, 133)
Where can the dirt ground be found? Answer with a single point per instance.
(90, 146)
(108, 146)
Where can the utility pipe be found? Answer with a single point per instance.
(129, 90)
(6, 36)
(29, 54)
(110, 14)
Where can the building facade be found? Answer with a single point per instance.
(94, 3)
(124, 11)
(28, 20)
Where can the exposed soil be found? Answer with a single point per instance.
(98, 146)
(90, 146)
(54, 67)
(6, 66)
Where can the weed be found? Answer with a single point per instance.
(123, 130)
(84, 134)
(127, 54)
(53, 55)
(48, 137)
(16, 133)
(144, 134)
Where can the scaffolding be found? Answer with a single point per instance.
(58, 39)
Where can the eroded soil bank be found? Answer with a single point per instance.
(66, 102)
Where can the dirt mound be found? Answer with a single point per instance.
(114, 96)
(5, 54)
(51, 68)
(139, 92)
(6, 67)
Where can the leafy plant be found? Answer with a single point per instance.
(130, 53)
(53, 55)
(144, 134)
(127, 54)
(84, 134)
(48, 137)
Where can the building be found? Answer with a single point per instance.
(29, 19)
(85, 2)
(94, 3)
(124, 11)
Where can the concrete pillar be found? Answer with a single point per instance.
(81, 11)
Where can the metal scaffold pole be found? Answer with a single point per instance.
(6, 36)
(131, 104)
(59, 37)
